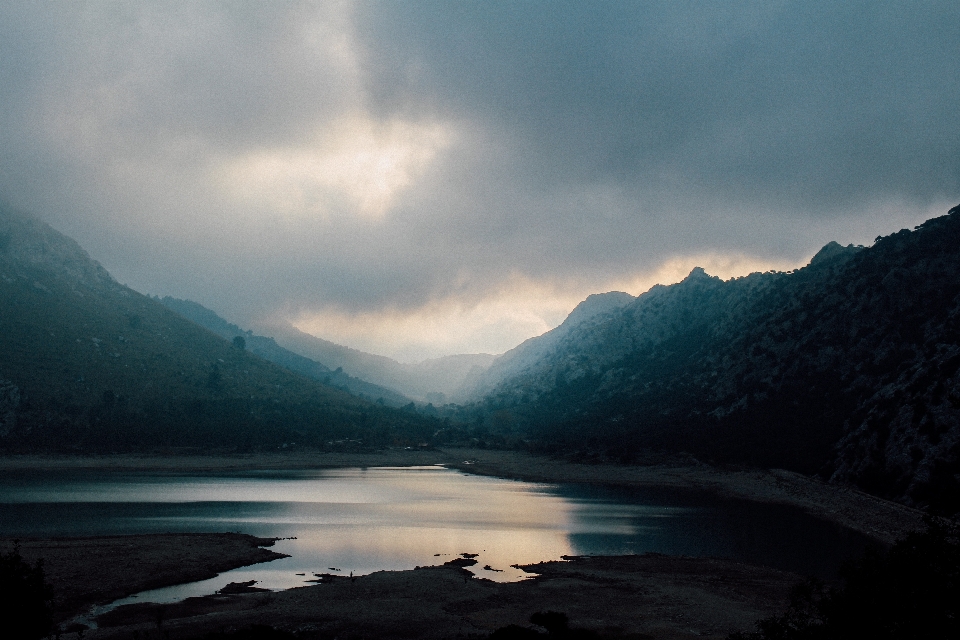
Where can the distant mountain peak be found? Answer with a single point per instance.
(597, 303)
(697, 274)
(833, 250)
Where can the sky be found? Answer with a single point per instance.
(418, 179)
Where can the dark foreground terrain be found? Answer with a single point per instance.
(89, 571)
(628, 596)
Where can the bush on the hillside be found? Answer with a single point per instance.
(911, 592)
(26, 611)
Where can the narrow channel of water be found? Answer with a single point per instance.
(365, 520)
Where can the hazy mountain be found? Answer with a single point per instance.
(847, 367)
(268, 349)
(528, 354)
(455, 378)
(87, 363)
(436, 380)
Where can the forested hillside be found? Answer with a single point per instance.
(847, 367)
(89, 364)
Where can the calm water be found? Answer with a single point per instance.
(365, 520)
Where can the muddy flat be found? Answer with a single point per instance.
(646, 596)
(98, 570)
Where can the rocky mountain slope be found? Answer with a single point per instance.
(89, 364)
(847, 367)
(268, 349)
(529, 353)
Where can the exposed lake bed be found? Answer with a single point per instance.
(720, 577)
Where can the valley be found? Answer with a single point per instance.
(827, 392)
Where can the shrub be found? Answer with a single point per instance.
(911, 592)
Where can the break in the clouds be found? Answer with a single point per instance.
(426, 178)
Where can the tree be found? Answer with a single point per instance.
(240, 343)
(26, 600)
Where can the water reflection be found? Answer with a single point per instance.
(364, 520)
(607, 521)
(358, 520)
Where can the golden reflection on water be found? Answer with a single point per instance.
(402, 518)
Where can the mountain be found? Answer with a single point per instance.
(436, 380)
(87, 364)
(455, 378)
(846, 367)
(594, 309)
(268, 349)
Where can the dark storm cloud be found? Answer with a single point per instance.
(815, 105)
(388, 165)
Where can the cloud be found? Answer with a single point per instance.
(501, 319)
(426, 178)
(359, 164)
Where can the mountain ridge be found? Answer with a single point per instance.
(268, 349)
(846, 367)
(87, 364)
(514, 361)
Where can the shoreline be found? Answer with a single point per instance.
(881, 520)
(641, 596)
(644, 595)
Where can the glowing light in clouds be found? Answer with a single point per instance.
(504, 318)
(355, 165)
(421, 179)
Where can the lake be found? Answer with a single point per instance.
(365, 520)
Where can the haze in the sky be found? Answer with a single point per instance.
(426, 178)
